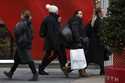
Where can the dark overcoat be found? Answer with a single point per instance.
(53, 33)
(78, 32)
(23, 36)
(96, 50)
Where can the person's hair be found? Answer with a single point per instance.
(26, 13)
(97, 11)
(76, 12)
(2, 23)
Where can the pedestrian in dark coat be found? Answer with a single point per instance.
(52, 40)
(5, 41)
(23, 36)
(96, 48)
(79, 38)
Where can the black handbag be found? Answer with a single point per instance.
(67, 33)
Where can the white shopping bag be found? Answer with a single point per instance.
(77, 58)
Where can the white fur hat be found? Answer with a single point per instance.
(52, 8)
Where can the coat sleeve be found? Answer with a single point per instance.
(18, 30)
(97, 24)
(43, 29)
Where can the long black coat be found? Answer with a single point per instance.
(23, 34)
(78, 32)
(53, 33)
(96, 50)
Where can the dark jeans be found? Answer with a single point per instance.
(50, 55)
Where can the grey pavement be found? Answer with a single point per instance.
(22, 75)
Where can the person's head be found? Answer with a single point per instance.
(59, 18)
(78, 13)
(98, 12)
(26, 14)
(52, 8)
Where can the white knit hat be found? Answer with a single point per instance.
(52, 8)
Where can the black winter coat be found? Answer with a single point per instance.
(78, 32)
(53, 33)
(96, 50)
(23, 34)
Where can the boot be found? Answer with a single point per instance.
(35, 77)
(83, 73)
(65, 71)
(102, 72)
(8, 74)
(68, 66)
(42, 72)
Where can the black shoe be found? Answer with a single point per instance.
(43, 73)
(8, 74)
(69, 70)
(102, 73)
(35, 77)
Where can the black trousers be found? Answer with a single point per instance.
(17, 62)
(50, 55)
(31, 65)
(101, 67)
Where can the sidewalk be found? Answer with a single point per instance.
(23, 73)
(55, 76)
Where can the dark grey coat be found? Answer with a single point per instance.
(23, 35)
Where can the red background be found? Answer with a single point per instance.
(10, 13)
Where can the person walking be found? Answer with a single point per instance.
(23, 33)
(50, 31)
(79, 38)
(96, 50)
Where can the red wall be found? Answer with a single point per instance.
(10, 12)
